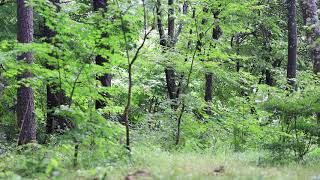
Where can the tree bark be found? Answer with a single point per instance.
(303, 11)
(292, 43)
(269, 78)
(105, 79)
(171, 22)
(25, 98)
(311, 19)
(171, 83)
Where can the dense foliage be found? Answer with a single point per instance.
(112, 78)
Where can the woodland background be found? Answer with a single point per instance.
(154, 89)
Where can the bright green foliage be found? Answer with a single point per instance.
(251, 122)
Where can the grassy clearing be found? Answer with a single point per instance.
(154, 163)
(157, 164)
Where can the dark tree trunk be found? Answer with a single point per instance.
(55, 98)
(171, 22)
(169, 42)
(292, 43)
(104, 79)
(55, 94)
(169, 71)
(171, 84)
(99, 4)
(269, 78)
(160, 25)
(216, 34)
(25, 98)
(209, 87)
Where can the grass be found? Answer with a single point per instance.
(154, 163)
(157, 164)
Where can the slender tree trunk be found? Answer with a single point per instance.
(292, 43)
(105, 79)
(127, 108)
(130, 65)
(25, 98)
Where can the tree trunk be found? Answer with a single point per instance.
(209, 87)
(292, 43)
(105, 79)
(55, 94)
(167, 43)
(312, 20)
(171, 83)
(303, 11)
(169, 71)
(269, 78)
(99, 4)
(25, 98)
(171, 22)
(55, 98)
(216, 34)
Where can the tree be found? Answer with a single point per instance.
(25, 98)
(130, 62)
(311, 19)
(292, 43)
(56, 96)
(216, 33)
(104, 79)
(168, 42)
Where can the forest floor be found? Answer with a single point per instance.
(157, 164)
(147, 162)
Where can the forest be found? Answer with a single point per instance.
(159, 89)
